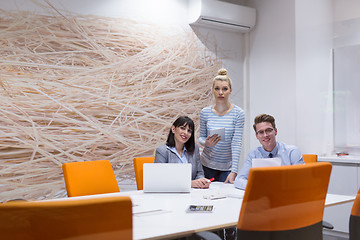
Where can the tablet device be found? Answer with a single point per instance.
(219, 131)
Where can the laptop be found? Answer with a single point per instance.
(167, 177)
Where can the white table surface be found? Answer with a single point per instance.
(349, 159)
(164, 216)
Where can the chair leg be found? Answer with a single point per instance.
(230, 233)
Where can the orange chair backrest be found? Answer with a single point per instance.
(138, 168)
(285, 197)
(354, 221)
(310, 158)
(355, 211)
(90, 177)
(87, 219)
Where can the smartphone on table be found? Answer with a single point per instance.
(200, 208)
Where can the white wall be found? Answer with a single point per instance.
(228, 47)
(347, 23)
(314, 127)
(272, 67)
(290, 70)
(346, 10)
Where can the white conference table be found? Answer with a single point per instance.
(164, 216)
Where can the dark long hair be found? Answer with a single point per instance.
(183, 121)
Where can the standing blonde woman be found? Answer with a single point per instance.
(220, 157)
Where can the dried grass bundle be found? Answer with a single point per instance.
(81, 88)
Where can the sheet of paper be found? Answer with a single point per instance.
(151, 212)
(218, 190)
(236, 195)
(266, 162)
(219, 131)
(145, 209)
(214, 196)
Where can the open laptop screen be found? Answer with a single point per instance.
(167, 177)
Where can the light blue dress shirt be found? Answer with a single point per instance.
(163, 154)
(289, 155)
(182, 159)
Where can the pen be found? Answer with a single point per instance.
(211, 179)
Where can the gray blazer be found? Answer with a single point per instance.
(164, 155)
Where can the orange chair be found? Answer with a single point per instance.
(354, 225)
(138, 168)
(285, 202)
(90, 177)
(313, 158)
(309, 158)
(86, 219)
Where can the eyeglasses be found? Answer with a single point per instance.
(267, 131)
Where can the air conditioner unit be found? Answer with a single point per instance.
(221, 15)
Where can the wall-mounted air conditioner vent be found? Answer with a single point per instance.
(221, 15)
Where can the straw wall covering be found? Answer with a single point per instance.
(79, 88)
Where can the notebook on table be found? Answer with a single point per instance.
(167, 177)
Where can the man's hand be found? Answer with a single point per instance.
(231, 177)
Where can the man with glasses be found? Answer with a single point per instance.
(265, 130)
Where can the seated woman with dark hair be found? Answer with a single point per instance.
(180, 147)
